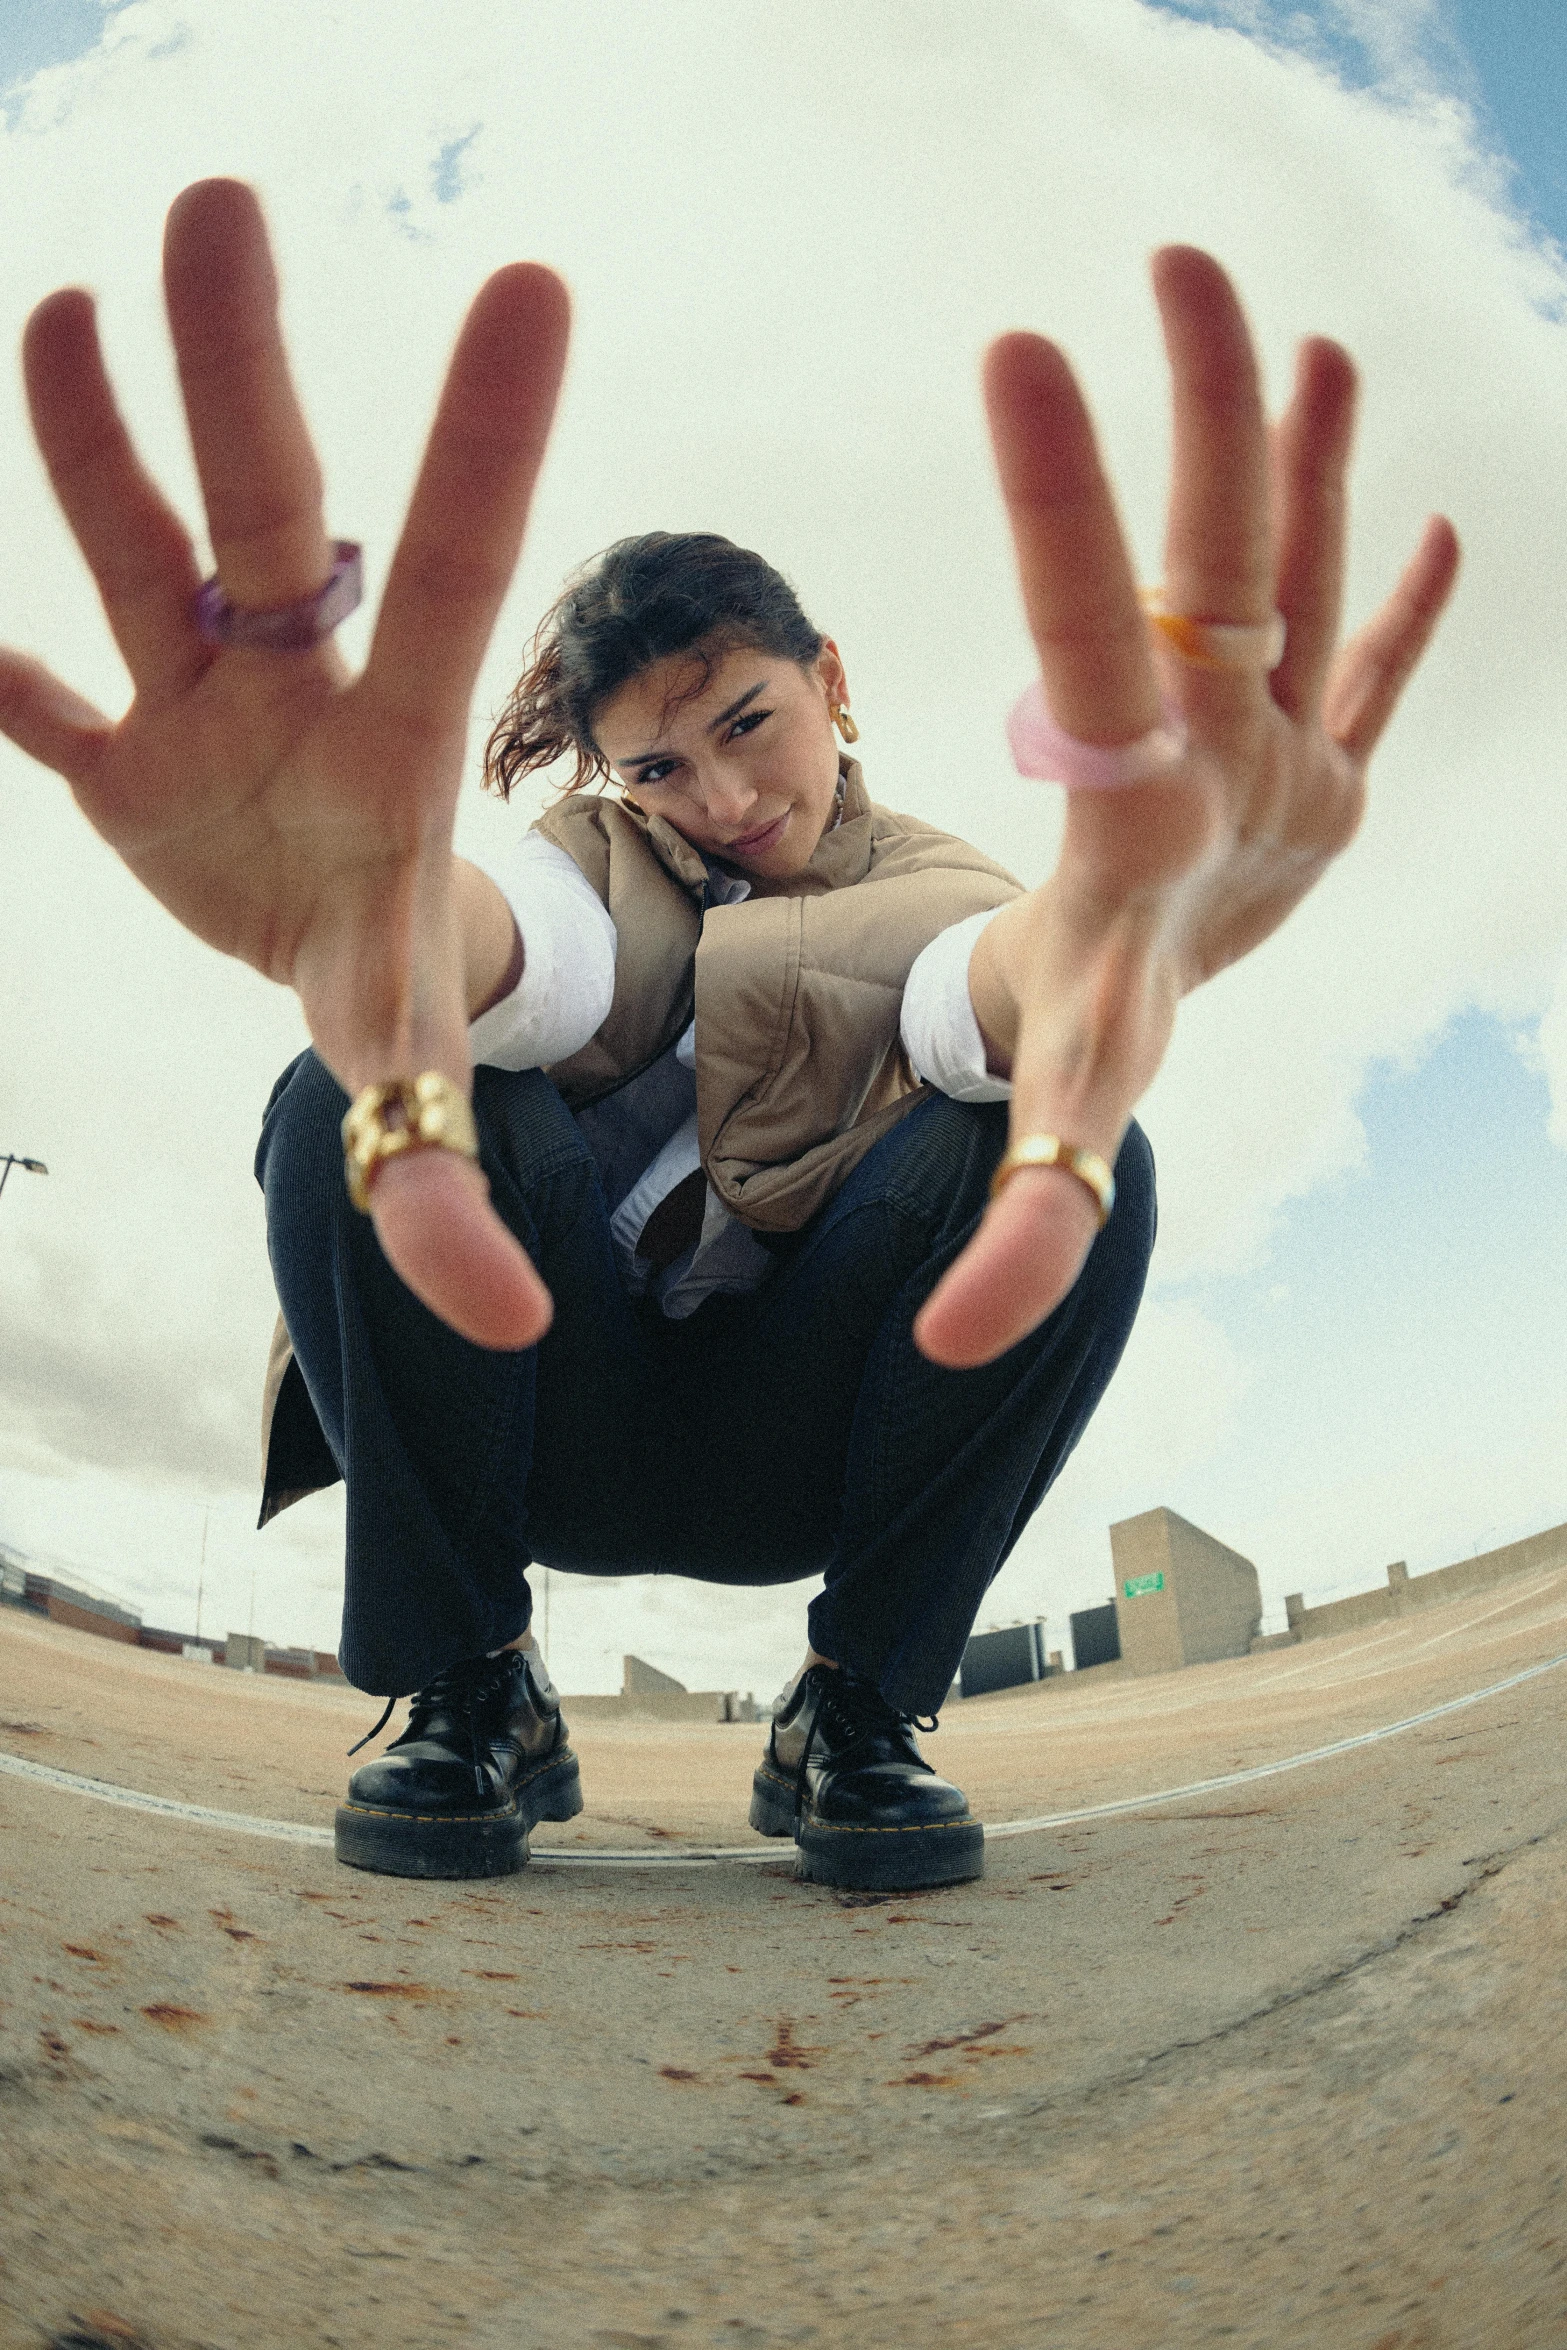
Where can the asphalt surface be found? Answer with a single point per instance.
(1282, 2062)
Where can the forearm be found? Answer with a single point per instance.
(492, 949)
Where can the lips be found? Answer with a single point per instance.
(751, 842)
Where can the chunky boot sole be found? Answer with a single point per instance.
(473, 1844)
(869, 1860)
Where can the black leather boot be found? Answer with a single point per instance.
(843, 1776)
(484, 1757)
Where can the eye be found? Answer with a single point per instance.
(659, 772)
(747, 723)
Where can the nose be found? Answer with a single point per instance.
(728, 798)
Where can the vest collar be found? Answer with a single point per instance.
(843, 854)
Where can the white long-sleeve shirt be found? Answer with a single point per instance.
(563, 999)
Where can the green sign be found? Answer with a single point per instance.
(1136, 1585)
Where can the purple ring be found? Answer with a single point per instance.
(284, 628)
(1042, 748)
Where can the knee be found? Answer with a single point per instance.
(938, 1160)
(526, 1132)
(300, 1155)
(523, 1124)
(1127, 1240)
(1135, 1190)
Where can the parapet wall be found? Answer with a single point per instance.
(674, 1705)
(1536, 1554)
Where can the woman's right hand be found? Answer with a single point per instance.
(287, 813)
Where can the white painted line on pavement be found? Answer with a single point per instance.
(1292, 1762)
(710, 1855)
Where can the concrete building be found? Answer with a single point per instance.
(1096, 1637)
(82, 1610)
(650, 1695)
(1181, 1598)
(1008, 1657)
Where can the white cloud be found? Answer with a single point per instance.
(783, 278)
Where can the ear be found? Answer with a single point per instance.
(829, 669)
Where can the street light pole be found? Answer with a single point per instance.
(10, 1159)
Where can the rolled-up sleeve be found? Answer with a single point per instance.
(568, 962)
(940, 1033)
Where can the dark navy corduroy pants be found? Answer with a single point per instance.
(794, 1432)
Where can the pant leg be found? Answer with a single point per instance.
(839, 1448)
(438, 1439)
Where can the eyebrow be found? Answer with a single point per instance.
(645, 758)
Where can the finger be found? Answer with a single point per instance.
(1375, 665)
(48, 721)
(1310, 461)
(136, 547)
(257, 467)
(433, 1218)
(1218, 543)
(460, 543)
(1018, 1267)
(1079, 592)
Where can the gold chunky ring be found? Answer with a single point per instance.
(424, 1113)
(1216, 644)
(1048, 1150)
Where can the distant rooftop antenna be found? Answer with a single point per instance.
(201, 1570)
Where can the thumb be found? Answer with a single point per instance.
(433, 1218)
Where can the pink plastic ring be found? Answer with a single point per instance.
(1041, 747)
(285, 628)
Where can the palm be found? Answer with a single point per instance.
(1161, 885)
(290, 817)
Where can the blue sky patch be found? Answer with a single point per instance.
(39, 33)
(448, 179)
(1456, 1221)
(1506, 64)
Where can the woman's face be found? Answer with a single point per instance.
(747, 768)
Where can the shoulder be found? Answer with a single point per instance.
(599, 836)
(906, 844)
(582, 827)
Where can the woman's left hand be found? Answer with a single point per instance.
(1161, 884)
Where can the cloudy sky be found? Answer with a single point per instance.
(789, 234)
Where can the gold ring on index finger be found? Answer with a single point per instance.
(1216, 644)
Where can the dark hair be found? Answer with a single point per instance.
(640, 601)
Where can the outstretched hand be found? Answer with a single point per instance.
(1161, 884)
(291, 815)
(302, 820)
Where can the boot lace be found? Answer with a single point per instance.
(860, 1708)
(461, 1690)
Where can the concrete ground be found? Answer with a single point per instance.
(1278, 2063)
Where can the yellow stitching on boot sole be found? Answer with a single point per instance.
(428, 1819)
(915, 1828)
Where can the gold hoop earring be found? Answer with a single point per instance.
(844, 723)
